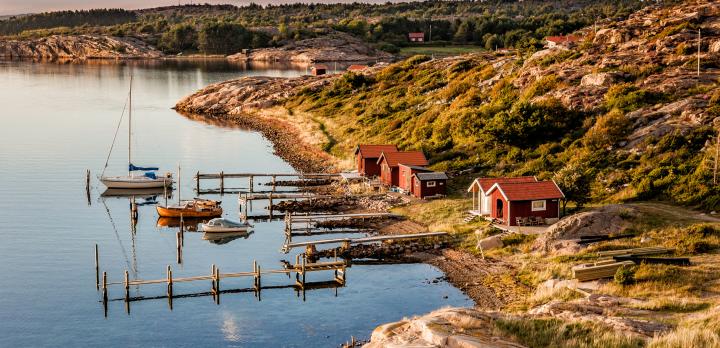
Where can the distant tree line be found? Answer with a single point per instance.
(99, 17)
(223, 29)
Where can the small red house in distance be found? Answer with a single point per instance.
(319, 69)
(566, 40)
(429, 184)
(520, 200)
(389, 164)
(357, 67)
(366, 157)
(405, 173)
(416, 37)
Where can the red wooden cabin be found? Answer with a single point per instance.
(366, 158)
(390, 161)
(320, 69)
(405, 175)
(429, 184)
(510, 201)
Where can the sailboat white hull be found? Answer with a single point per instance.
(127, 182)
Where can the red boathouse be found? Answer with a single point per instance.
(406, 172)
(432, 184)
(514, 202)
(366, 158)
(390, 161)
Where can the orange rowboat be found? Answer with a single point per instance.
(197, 208)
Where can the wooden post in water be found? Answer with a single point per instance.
(212, 282)
(222, 182)
(87, 186)
(127, 286)
(169, 286)
(197, 182)
(217, 284)
(104, 288)
(178, 243)
(273, 183)
(271, 202)
(97, 267)
(252, 185)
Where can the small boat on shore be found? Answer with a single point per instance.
(220, 225)
(197, 208)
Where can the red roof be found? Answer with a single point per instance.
(487, 183)
(410, 158)
(374, 151)
(527, 191)
(561, 39)
(419, 35)
(356, 67)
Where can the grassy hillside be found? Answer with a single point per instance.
(621, 116)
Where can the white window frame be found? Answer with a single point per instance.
(430, 184)
(544, 205)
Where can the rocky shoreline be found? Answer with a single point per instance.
(78, 47)
(334, 47)
(283, 135)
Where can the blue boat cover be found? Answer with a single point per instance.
(150, 175)
(134, 168)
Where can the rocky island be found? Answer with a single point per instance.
(77, 47)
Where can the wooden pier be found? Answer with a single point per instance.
(251, 179)
(346, 242)
(301, 268)
(245, 197)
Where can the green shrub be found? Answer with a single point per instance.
(625, 275)
(627, 97)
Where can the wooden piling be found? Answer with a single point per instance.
(104, 287)
(213, 280)
(87, 186)
(222, 183)
(197, 182)
(97, 268)
(217, 285)
(178, 243)
(252, 186)
(127, 286)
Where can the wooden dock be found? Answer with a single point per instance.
(251, 178)
(348, 241)
(301, 268)
(245, 197)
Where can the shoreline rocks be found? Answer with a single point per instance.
(334, 47)
(77, 47)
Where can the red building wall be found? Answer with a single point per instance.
(367, 166)
(496, 195)
(421, 190)
(388, 175)
(405, 177)
(524, 209)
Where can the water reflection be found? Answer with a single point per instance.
(225, 237)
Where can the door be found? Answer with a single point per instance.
(499, 211)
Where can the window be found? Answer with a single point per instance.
(538, 205)
(430, 184)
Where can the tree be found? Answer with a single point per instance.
(179, 38)
(224, 38)
(492, 42)
(574, 181)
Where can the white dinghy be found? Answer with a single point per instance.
(220, 225)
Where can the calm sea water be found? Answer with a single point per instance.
(56, 121)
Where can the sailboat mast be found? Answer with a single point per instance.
(179, 186)
(130, 127)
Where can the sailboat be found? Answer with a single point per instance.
(147, 180)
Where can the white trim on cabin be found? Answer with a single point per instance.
(431, 184)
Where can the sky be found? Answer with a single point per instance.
(9, 7)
